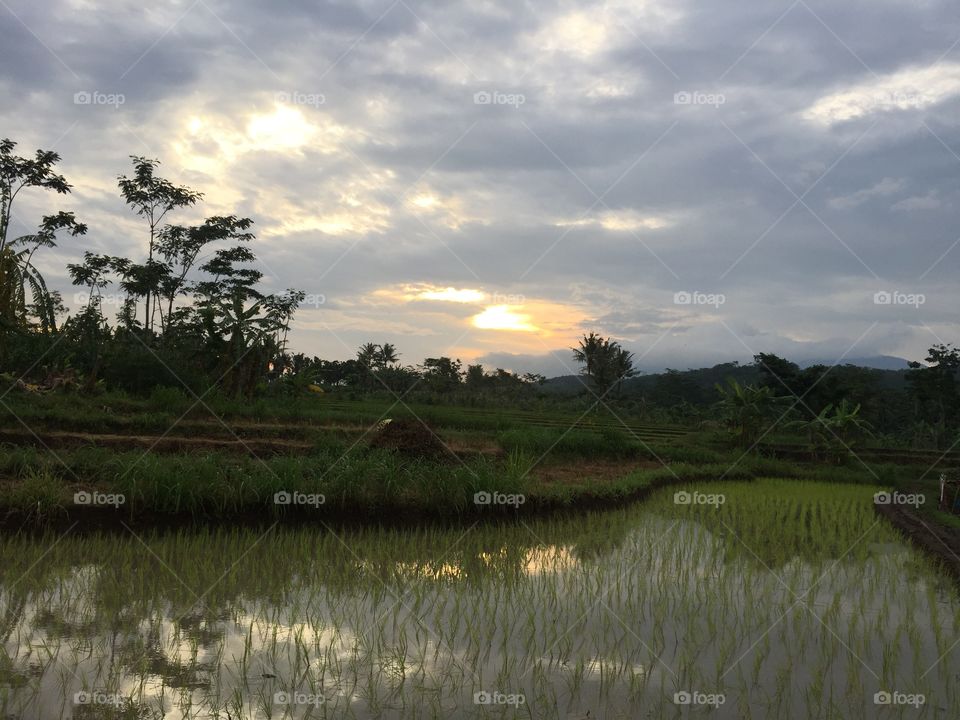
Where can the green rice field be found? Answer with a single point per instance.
(766, 599)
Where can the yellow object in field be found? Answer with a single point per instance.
(315, 388)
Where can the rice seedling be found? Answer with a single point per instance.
(788, 599)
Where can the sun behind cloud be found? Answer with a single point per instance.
(504, 317)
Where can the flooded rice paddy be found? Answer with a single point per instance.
(772, 599)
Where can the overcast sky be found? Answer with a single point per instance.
(490, 180)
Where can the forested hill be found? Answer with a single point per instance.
(699, 386)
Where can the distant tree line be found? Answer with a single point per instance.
(193, 313)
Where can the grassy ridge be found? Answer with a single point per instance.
(38, 485)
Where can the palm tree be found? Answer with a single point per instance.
(388, 355)
(604, 361)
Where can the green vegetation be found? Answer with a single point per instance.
(757, 570)
(611, 614)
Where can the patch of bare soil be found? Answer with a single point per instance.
(410, 437)
(576, 471)
(939, 540)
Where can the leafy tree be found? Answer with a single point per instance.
(442, 374)
(934, 389)
(20, 280)
(152, 198)
(179, 246)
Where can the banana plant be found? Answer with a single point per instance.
(746, 408)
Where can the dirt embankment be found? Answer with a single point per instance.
(940, 541)
(158, 443)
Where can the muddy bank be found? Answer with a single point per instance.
(938, 540)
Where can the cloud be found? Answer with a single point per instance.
(884, 188)
(350, 134)
(912, 88)
(929, 201)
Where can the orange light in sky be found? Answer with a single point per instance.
(503, 317)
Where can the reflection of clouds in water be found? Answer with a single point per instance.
(671, 590)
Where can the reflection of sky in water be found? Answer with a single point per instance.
(616, 630)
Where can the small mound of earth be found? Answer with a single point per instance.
(410, 437)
